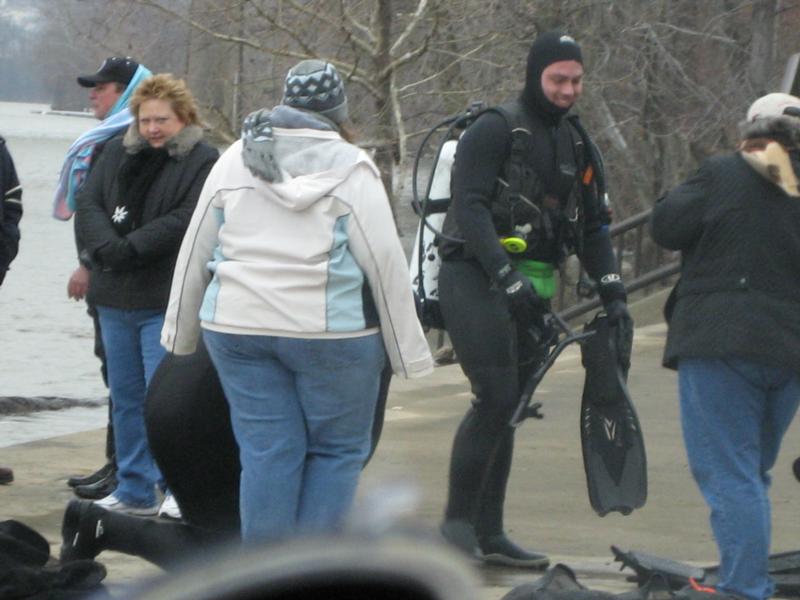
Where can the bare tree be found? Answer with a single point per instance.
(666, 80)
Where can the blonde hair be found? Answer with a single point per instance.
(165, 86)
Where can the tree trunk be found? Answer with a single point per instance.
(384, 152)
(762, 46)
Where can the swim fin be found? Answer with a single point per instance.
(613, 447)
(784, 569)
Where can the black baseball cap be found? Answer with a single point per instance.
(117, 69)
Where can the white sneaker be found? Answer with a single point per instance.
(170, 509)
(111, 502)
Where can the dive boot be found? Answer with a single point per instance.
(81, 531)
(499, 550)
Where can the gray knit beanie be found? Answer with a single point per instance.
(316, 85)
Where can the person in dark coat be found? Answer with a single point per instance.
(734, 328)
(10, 215)
(132, 213)
(10, 210)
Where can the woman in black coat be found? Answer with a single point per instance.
(132, 214)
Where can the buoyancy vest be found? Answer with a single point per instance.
(547, 205)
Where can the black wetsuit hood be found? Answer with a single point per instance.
(550, 47)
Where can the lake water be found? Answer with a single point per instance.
(46, 339)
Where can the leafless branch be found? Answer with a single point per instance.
(422, 5)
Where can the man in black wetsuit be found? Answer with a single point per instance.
(526, 193)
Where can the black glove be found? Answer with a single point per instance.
(621, 323)
(614, 297)
(525, 304)
(617, 312)
(119, 255)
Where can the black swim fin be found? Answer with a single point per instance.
(784, 569)
(613, 448)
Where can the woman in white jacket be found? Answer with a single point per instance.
(293, 264)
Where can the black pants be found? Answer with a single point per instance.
(100, 353)
(497, 359)
(190, 436)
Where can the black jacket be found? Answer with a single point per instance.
(10, 209)
(142, 281)
(739, 292)
(83, 253)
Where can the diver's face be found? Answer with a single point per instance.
(562, 82)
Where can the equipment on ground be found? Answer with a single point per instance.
(784, 569)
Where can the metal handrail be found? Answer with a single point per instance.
(638, 283)
(643, 274)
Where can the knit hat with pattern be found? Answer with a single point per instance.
(316, 85)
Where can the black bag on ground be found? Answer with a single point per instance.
(558, 583)
(25, 572)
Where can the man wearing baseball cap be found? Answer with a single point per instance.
(110, 89)
(734, 328)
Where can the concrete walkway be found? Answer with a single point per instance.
(547, 505)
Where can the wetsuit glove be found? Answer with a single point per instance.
(524, 303)
(118, 255)
(612, 292)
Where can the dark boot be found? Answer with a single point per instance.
(97, 490)
(81, 531)
(102, 473)
(499, 550)
(6, 475)
(89, 529)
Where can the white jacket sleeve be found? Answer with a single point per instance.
(181, 330)
(376, 247)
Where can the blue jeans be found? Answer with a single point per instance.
(734, 414)
(133, 351)
(302, 412)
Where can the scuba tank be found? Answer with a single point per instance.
(431, 209)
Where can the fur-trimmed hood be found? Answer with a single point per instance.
(765, 147)
(784, 129)
(177, 147)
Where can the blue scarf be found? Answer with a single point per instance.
(79, 155)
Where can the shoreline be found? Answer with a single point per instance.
(23, 428)
(20, 405)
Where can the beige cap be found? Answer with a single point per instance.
(774, 105)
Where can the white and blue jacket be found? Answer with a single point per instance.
(314, 256)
